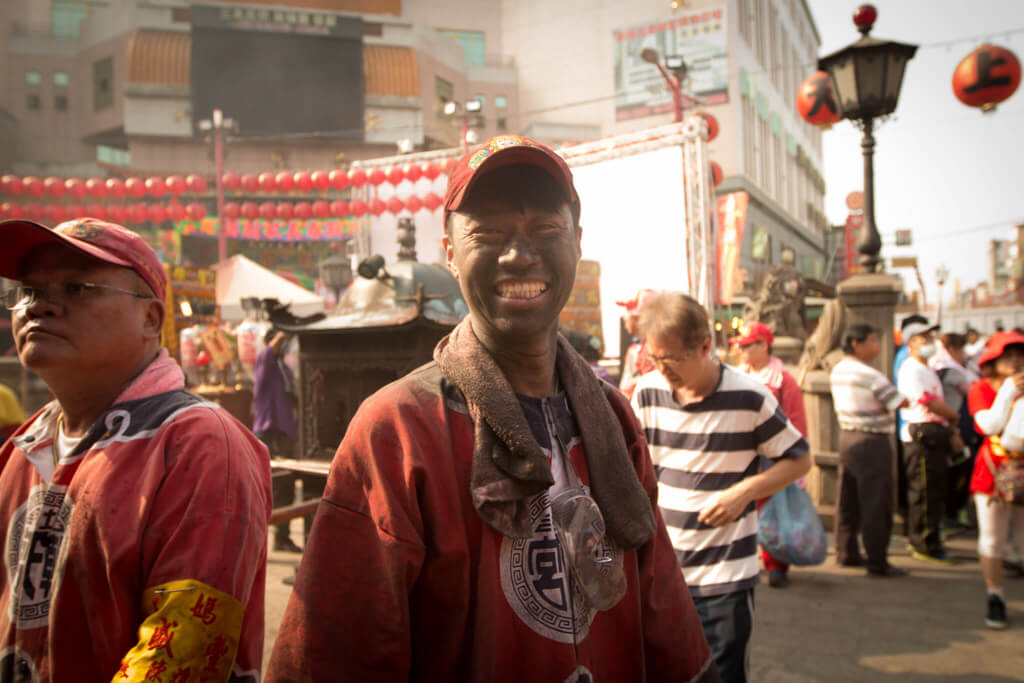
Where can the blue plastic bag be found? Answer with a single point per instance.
(789, 528)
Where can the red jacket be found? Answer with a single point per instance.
(981, 397)
(145, 555)
(402, 580)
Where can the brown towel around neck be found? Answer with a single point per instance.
(509, 466)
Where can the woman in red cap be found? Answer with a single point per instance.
(754, 343)
(1002, 361)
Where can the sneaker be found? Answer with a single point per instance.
(286, 545)
(940, 557)
(995, 618)
(777, 578)
(887, 572)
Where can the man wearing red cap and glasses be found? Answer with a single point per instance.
(493, 515)
(134, 514)
(754, 342)
(635, 362)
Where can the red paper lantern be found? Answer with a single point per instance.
(284, 181)
(95, 187)
(284, 211)
(356, 177)
(267, 181)
(449, 165)
(9, 210)
(302, 210)
(413, 172)
(196, 184)
(194, 210)
(135, 188)
(232, 182)
(175, 211)
(431, 171)
(138, 213)
(339, 208)
(116, 188)
(250, 210)
(11, 184)
(321, 209)
(816, 101)
(33, 186)
(414, 204)
(202, 358)
(97, 211)
(394, 206)
(53, 186)
(116, 213)
(716, 174)
(395, 175)
(712, 124)
(251, 182)
(75, 188)
(321, 180)
(157, 213)
(986, 77)
(232, 210)
(376, 207)
(268, 210)
(155, 187)
(34, 212)
(73, 211)
(53, 213)
(302, 181)
(377, 176)
(358, 208)
(432, 202)
(175, 185)
(338, 179)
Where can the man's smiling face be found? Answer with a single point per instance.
(514, 246)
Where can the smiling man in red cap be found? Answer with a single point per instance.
(493, 515)
(133, 514)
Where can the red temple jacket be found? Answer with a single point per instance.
(144, 556)
(403, 581)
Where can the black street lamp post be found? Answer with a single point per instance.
(866, 78)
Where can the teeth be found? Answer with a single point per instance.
(522, 290)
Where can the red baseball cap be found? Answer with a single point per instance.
(107, 242)
(506, 150)
(997, 343)
(639, 300)
(753, 332)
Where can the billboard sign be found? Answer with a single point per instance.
(699, 37)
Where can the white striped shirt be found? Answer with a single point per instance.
(705, 447)
(865, 400)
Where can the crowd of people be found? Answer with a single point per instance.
(503, 513)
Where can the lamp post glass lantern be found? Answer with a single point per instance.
(866, 78)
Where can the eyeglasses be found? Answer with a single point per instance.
(24, 296)
(670, 360)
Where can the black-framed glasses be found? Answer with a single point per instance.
(24, 296)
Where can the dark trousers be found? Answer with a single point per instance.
(927, 472)
(282, 488)
(728, 621)
(864, 500)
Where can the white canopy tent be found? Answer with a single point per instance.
(238, 277)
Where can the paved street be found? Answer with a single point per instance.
(835, 624)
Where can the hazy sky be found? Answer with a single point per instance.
(948, 172)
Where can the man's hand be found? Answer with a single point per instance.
(1018, 381)
(725, 507)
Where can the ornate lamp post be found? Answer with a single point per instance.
(336, 273)
(674, 82)
(866, 78)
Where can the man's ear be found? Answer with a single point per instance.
(449, 256)
(154, 322)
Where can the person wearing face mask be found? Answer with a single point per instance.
(929, 436)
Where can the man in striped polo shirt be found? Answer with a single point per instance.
(707, 424)
(865, 401)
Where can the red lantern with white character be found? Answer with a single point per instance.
(986, 77)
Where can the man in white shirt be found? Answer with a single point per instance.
(929, 436)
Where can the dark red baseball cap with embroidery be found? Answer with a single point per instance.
(103, 241)
(506, 150)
